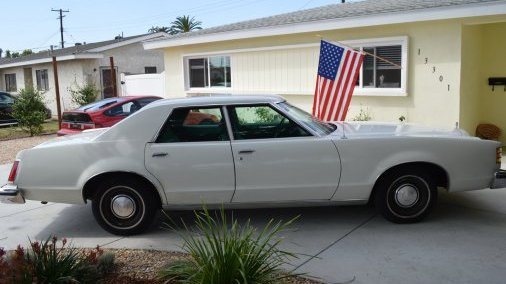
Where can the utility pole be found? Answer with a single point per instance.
(57, 90)
(61, 23)
(113, 77)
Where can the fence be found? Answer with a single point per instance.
(143, 85)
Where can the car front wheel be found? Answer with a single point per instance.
(406, 196)
(125, 207)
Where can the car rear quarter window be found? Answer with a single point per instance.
(100, 104)
(194, 125)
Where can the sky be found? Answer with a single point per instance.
(30, 24)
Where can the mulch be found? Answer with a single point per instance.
(142, 266)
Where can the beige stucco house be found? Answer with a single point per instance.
(79, 64)
(447, 50)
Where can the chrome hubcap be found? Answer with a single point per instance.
(406, 195)
(122, 206)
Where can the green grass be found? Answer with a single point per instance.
(13, 132)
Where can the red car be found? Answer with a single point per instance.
(104, 113)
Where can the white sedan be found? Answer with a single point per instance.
(249, 151)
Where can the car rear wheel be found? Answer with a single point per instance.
(125, 207)
(406, 196)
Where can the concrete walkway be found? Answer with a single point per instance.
(463, 241)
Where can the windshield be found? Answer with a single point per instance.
(100, 104)
(308, 120)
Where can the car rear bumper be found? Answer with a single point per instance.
(66, 131)
(499, 180)
(10, 193)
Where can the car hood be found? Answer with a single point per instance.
(384, 129)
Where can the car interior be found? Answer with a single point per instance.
(194, 125)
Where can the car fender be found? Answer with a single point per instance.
(120, 164)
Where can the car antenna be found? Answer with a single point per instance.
(344, 134)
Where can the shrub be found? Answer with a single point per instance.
(223, 251)
(29, 110)
(85, 94)
(48, 262)
(363, 115)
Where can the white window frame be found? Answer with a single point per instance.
(403, 41)
(365, 43)
(209, 89)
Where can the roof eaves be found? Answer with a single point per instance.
(87, 55)
(427, 14)
(129, 41)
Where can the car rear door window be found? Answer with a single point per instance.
(194, 125)
(5, 99)
(262, 122)
(145, 101)
(125, 109)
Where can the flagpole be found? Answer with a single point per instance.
(364, 52)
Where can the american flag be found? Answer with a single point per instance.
(338, 70)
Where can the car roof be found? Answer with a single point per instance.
(218, 100)
(91, 108)
(5, 93)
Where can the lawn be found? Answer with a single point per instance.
(12, 132)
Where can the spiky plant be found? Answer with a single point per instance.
(223, 251)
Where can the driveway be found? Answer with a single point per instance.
(463, 241)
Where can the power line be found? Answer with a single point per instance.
(151, 18)
(304, 6)
(61, 24)
(223, 5)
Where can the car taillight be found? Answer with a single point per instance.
(88, 126)
(14, 171)
(498, 155)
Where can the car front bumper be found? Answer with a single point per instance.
(10, 193)
(499, 179)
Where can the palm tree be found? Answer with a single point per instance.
(157, 29)
(184, 24)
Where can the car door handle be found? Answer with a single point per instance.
(249, 151)
(155, 155)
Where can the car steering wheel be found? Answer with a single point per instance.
(279, 127)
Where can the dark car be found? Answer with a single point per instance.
(104, 113)
(6, 102)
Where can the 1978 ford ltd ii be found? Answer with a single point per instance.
(249, 151)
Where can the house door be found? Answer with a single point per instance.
(28, 77)
(107, 82)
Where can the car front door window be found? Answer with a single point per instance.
(262, 122)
